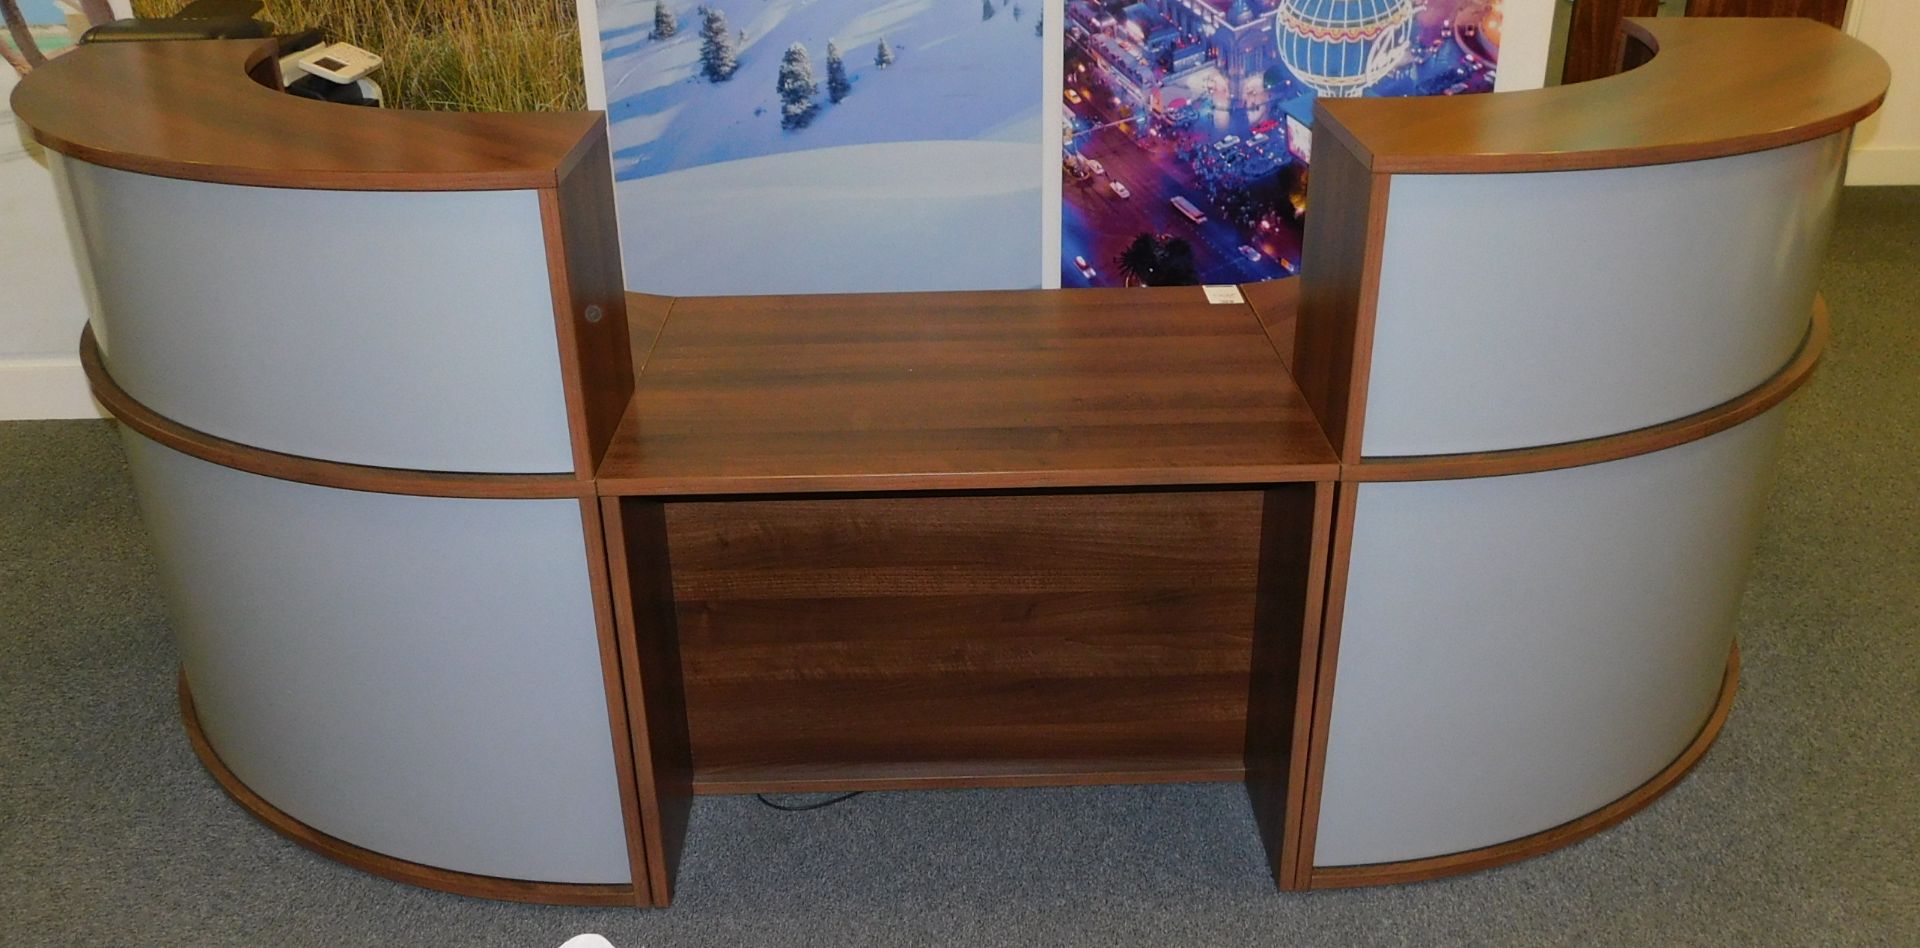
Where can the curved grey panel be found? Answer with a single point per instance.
(1520, 651)
(418, 676)
(1519, 310)
(394, 329)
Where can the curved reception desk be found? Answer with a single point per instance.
(481, 567)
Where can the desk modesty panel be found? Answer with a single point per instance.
(482, 568)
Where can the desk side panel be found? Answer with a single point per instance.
(1519, 310)
(392, 329)
(1519, 651)
(416, 676)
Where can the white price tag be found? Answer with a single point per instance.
(1219, 295)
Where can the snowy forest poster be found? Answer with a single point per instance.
(805, 146)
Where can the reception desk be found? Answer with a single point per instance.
(481, 567)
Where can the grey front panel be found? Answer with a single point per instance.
(1520, 651)
(1519, 310)
(395, 329)
(417, 676)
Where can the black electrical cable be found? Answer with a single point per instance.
(803, 807)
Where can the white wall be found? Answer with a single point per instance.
(1886, 147)
(41, 305)
(1526, 46)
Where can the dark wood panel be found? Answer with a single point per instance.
(1831, 12)
(1594, 36)
(1611, 447)
(589, 302)
(1339, 290)
(977, 637)
(1566, 834)
(642, 572)
(191, 110)
(1073, 388)
(1715, 87)
(387, 867)
(1286, 649)
(288, 467)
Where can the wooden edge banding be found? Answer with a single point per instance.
(1290, 874)
(1332, 614)
(387, 867)
(589, 302)
(1332, 337)
(1373, 261)
(648, 646)
(613, 682)
(288, 467)
(682, 488)
(1566, 834)
(1612, 447)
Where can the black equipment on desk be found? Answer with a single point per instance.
(236, 19)
(201, 19)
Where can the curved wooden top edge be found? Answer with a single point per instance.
(287, 467)
(1612, 447)
(190, 109)
(1715, 86)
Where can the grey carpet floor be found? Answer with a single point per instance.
(1801, 827)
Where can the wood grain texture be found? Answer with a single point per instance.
(366, 860)
(1566, 834)
(1319, 722)
(1276, 303)
(647, 315)
(1286, 648)
(589, 302)
(1831, 12)
(1611, 447)
(288, 467)
(189, 109)
(977, 639)
(613, 682)
(642, 572)
(1715, 87)
(1069, 388)
(1340, 292)
(1594, 36)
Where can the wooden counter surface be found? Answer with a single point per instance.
(189, 109)
(1714, 87)
(984, 390)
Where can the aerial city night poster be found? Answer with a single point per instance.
(1186, 123)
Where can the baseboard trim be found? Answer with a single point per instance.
(45, 388)
(1884, 166)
